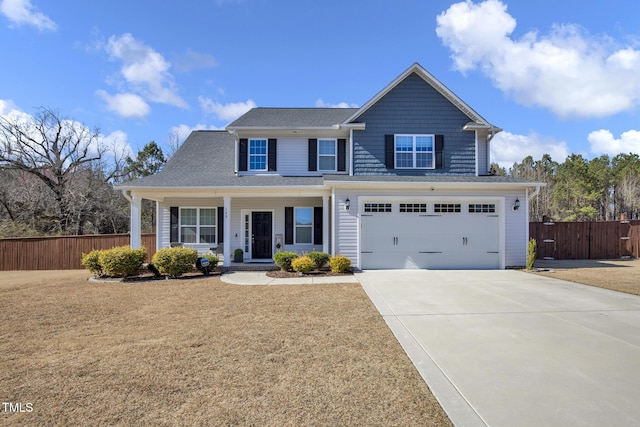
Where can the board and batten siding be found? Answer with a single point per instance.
(414, 107)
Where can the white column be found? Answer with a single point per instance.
(325, 224)
(158, 226)
(136, 221)
(226, 245)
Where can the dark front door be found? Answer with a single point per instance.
(261, 238)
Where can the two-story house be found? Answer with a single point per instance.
(402, 182)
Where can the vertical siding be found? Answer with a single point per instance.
(414, 107)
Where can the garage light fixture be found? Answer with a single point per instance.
(347, 204)
(516, 205)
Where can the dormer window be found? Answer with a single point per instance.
(258, 154)
(327, 154)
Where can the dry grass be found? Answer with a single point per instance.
(617, 275)
(200, 352)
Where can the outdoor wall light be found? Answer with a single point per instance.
(347, 204)
(516, 205)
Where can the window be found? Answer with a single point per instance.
(482, 208)
(198, 225)
(327, 154)
(446, 207)
(413, 207)
(258, 154)
(377, 207)
(303, 225)
(414, 151)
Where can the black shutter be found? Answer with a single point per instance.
(288, 226)
(313, 155)
(174, 224)
(342, 155)
(220, 229)
(317, 225)
(273, 149)
(439, 151)
(243, 155)
(389, 151)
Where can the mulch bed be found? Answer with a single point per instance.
(277, 274)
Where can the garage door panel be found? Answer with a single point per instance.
(444, 240)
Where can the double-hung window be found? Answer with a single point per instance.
(414, 151)
(198, 225)
(258, 154)
(327, 154)
(303, 225)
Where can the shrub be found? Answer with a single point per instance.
(339, 263)
(238, 255)
(122, 261)
(303, 264)
(92, 262)
(283, 259)
(175, 261)
(531, 253)
(319, 258)
(213, 263)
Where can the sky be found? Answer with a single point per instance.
(557, 76)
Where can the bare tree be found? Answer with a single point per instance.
(56, 150)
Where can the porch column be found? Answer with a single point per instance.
(136, 222)
(158, 226)
(325, 224)
(226, 245)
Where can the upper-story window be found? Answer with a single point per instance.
(414, 151)
(327, 154)
(258, 154)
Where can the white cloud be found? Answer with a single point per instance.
(22, 12)
(194, 61)
(125, 104)
(508, 148)
(117, 142)
(603, 142)
(321, 104)
(145, 71)
(567, 71)
(227, 112)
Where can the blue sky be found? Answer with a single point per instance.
(557, 76)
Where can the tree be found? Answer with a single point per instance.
(542, 170)
(56, 150)
(575, 195)
(148, 161)
(496, 169)
(626, 184)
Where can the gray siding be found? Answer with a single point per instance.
(414, 107)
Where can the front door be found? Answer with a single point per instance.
(261, 245)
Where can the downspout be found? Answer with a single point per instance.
(351, 149)
(126, 195)
(535, 192)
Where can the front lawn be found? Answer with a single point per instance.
(201, 352)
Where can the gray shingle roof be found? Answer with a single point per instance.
(293, 117)
(206, 159)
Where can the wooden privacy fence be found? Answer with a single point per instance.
(60, 252)
(586, 240)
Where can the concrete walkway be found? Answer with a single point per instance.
(261, 278)
(507, 348)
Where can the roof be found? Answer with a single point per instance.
(291, 118)
(439, 178)
(416, 68)
(206, 159)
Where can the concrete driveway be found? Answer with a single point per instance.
(507, 348)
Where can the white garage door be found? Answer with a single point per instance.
(458, 235)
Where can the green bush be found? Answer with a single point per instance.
(531, 253)
(303, 264)
(284, 259)
(122, 261)
(175, 261)
(319, 258)
(92, 262)
(339, 263)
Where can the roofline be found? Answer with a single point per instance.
(435, 83)
(227, 188)
(440, 184)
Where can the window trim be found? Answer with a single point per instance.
(414, 152)
(296, 226)
(265, 155)
(198, 225)
(334, 155)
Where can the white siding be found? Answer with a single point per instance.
(517, 230)
(347, 226)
